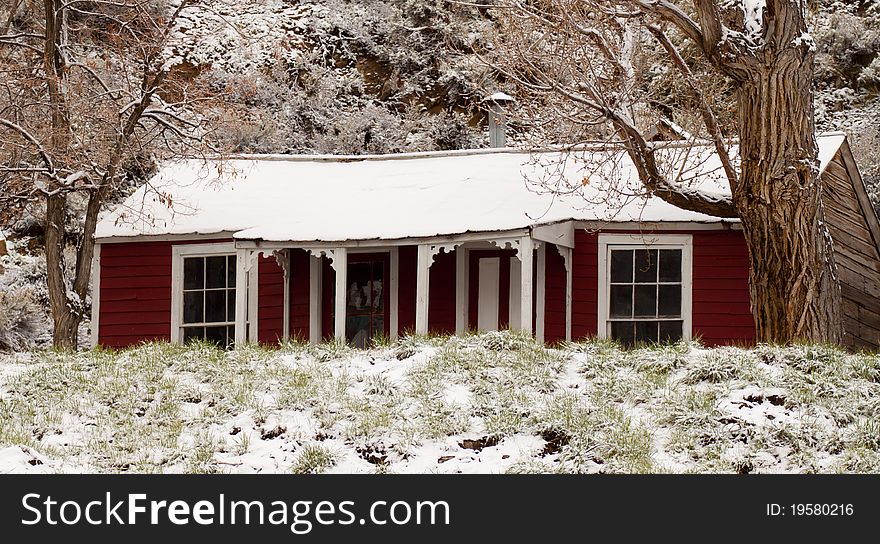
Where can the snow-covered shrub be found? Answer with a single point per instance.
(20, 322)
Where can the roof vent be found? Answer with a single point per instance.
(497, 105)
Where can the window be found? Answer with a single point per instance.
(204, 293)
(644, 288)
(209, 298)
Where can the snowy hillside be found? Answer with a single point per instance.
(480, 404)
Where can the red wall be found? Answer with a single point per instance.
(406, 288)
(554, 295)
(299, 294)
(584, 280)
(441, 294)
(721, 304)
(135, 293)
(270, 299)
(720, 297)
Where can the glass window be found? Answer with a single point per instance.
(644, 303)
(209, 299)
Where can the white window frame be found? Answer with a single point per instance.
(178, 253)
(609, 242)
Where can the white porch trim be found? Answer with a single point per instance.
(423, 271)
(560, 234)
(253, 296)
(340, 265)
(241, 305)
(525, 258)
(569, 265)
(393, 295)
(540, 295)
(96, 294)
(283, 258)
(316, 281)
(462, 282)
(445, 240)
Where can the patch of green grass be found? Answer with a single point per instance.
(314, 458)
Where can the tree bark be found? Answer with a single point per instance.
(795, 293)
(66, 308)
(65, 304)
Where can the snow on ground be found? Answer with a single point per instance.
(489, 403)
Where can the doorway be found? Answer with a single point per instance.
(367, 298)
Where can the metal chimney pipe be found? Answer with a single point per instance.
(498, 118)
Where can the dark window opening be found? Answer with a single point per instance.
(209, 299)
(644, 303)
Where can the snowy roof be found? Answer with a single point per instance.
(338, 198)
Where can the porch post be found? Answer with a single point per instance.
(568, 275)
(253, 308)
(340, 263)
(241, 298)
(285, 256)
(393, 298)
(316, 281)
(540, 295)
(461, 290)
(525, 259)
(422, 275)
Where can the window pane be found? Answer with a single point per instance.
(621, 266)
(622, 331)
(669, 303)
(646, 332)
(230, 335)
(670, 331)
(215, 306)
(621, 301)
(670, 265)
(215, 272)
(230, 305)
(646, 265)
(216, 335)
(358, 293)
(230, 271)
(190, 333)
(193, 307)
(193, 273)
(645, 301)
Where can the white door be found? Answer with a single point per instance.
(487, 294)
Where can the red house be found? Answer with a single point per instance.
(266, 248)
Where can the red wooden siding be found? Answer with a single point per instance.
(554, 295)
(721, 306)
(270, 298)
(441, 294)
(585, 281)
(720, 296)
(406, 288)
(299, 294)
(135, 297)
(135, 293)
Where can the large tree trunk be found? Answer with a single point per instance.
(65, 305)
(794, 287)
